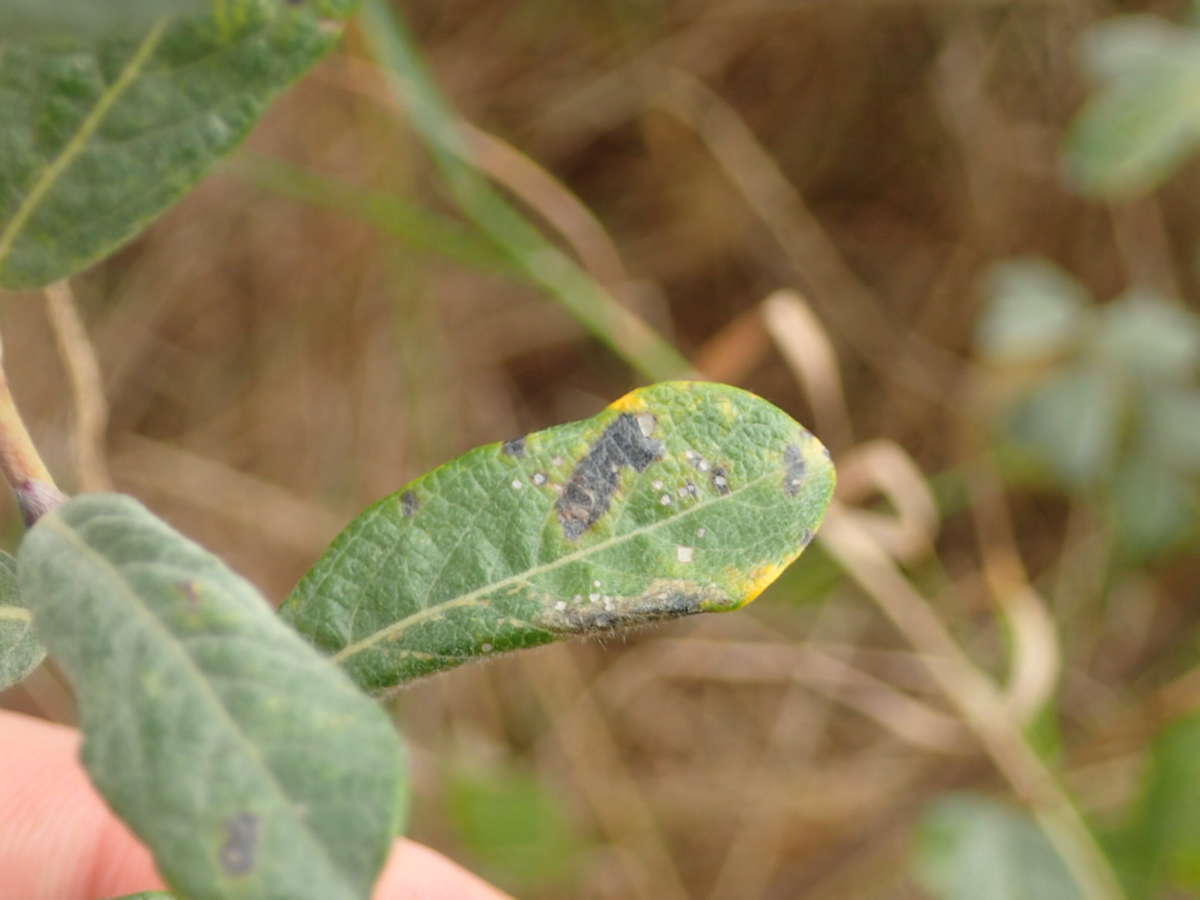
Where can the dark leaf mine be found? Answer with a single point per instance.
(515, 447)
(793, 470)
(588, 493)
(409, 503)
(241, 844)
(662, 601)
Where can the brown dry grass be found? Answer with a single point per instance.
(272, 368)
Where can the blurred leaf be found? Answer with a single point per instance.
(1072, 422)
(514, 826)
(1161, 847)
(1172, 428)
(679, 498)
(148, 895)
(1125, 45)
(1034, 310)
(972, 848)
(98, 137)
(38, 18)
(20, 650)
(250, 766)
(1145, 118)
(1154, 508)
(1142, 334)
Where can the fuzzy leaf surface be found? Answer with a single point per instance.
(679, 498)
(20, 650)
(249, 765)
(100, 134)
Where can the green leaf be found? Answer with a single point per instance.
(513, 826)
(972, 848)
(1144, 336)
(37, 18)
(1145, 119)
(1172, 428)
(1072, 423)
(20, 650)
(679, 498)
(1155, 509)
(98, 137)
(1161, 847)
(148, 895)
(250, 766)
(1034, 310)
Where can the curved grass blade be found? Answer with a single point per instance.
(680, 498)
(250, 766)
(20, 650)
(99, 136)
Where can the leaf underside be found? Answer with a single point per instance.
(249, 765)
(679, 498)
(20, 650)
(99, 136)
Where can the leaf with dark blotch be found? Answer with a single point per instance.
(20, 650)
(680, 498)
(249, 765)
(98, 136)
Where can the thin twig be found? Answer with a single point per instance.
(87, 387)
(20, 461)
(985, 711)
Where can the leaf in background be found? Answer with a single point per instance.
(250, 766)
(514, 826)
(24, 19)
(1034, 311)
(972, 848)
(20, 650)
(1172, 428)
(148, 895)
(1145, 336)
(1155, 509)
(1162, 846)
(680, 498)
(1145, 118)
(1072, 422)
(98, 137)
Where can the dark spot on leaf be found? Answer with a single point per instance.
(409, 503)
(720, 480)
(793, 469)
(588, 493)
(664, 600)
(240, 849)
(515, 447)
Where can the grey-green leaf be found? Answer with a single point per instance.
(99, 136)
(1034, 311)
(972, 848)
(20, 650)
(23, 19)
(679, 498)
(1145, 118)
(250, 766)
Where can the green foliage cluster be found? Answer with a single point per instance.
(1106, 398)
(679, 498)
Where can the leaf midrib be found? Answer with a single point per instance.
(398, 628)
(175, 644)
(75, 146)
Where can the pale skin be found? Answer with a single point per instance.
(58, 841)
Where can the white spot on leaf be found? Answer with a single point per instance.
(517, 484)
(684, 554)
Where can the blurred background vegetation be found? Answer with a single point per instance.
(957, 238)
